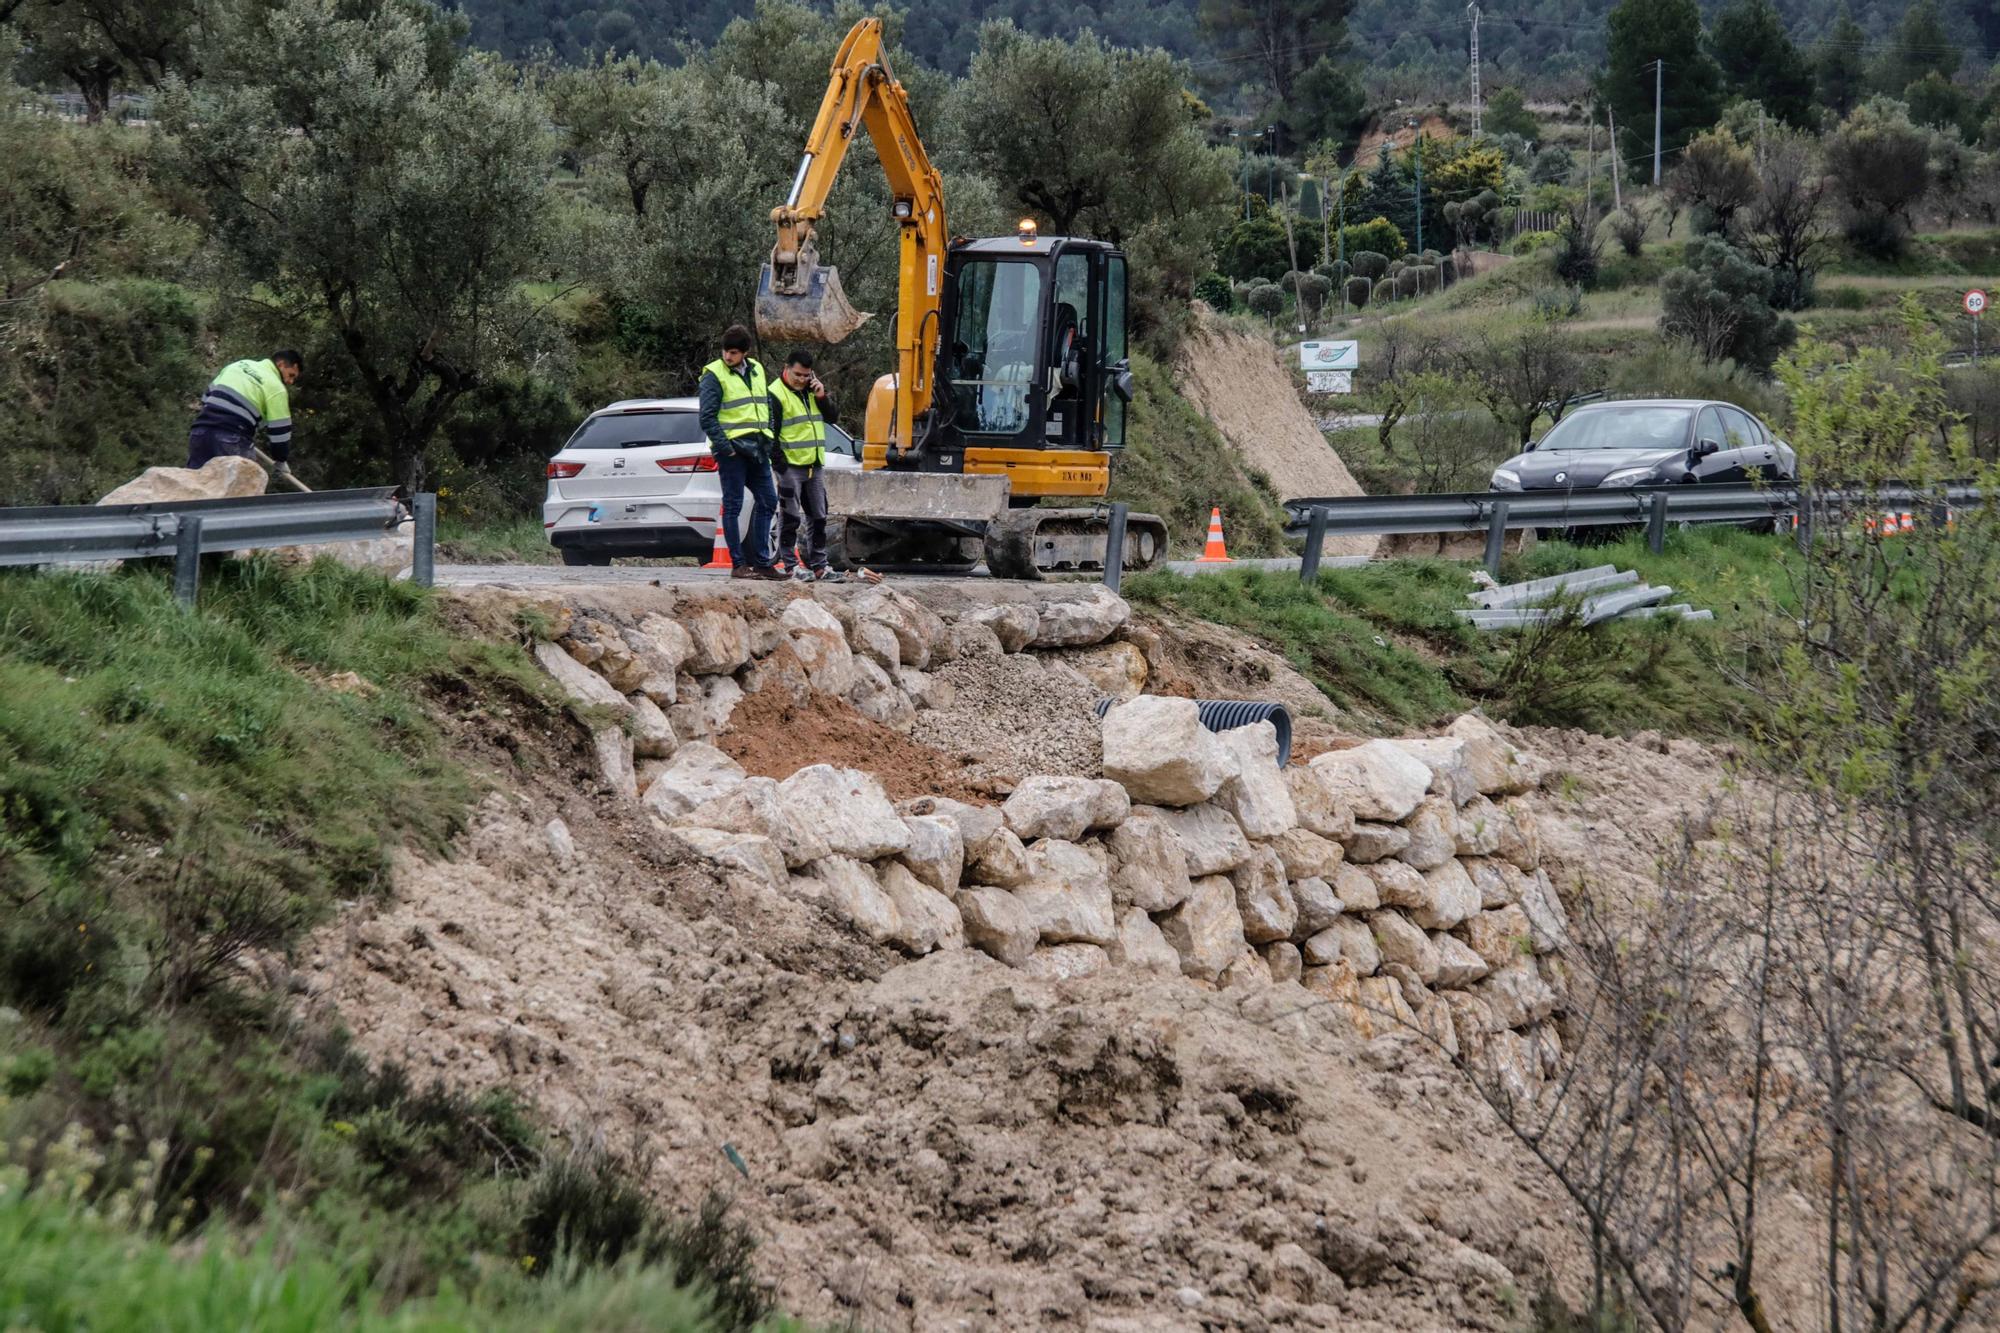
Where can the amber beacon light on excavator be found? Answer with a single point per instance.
(1012, 375)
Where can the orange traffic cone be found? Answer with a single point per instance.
(718, 558)
(1906, 522)
(1214, 552)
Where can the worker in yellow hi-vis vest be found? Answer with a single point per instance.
(803, 411)
(244, 396)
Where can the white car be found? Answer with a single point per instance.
(637, 479)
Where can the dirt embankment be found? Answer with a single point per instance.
(1239, 384)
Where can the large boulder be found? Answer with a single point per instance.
(1068, 895)
(1433, 830)
(1066, 962)
(663, 647)
(1399, 884)
(1547, 922)
(652, 735)
(1452, 897)
(1141, 944)
(224, 478)
(976, 823)
(1451, 776)
(1374, 842)
(936, 854)
(1157, 748)
(1497, 767)
(1314, 802)
(1074, 622)
(1356, 889)
(1355, 940)
(999, 858)
(998, 923)
(751, 853)
(1257, 795)
(1516, 994)
(820, 643)
(1151, 868)
(578, 681)
(1205, 930)
(1064, 807)
(1401, 942)
(1210, 837)
(1284, 960)
(1013, 624)
(851, 889)
(1520, 835)
(1499, 937)
(1263, 899)
(1480, 828)
(1490, 877)
(877, 697)
(1116, 669)
(1376, 781)
(917, 628)
(697, 773)
(1318, 906)
(967, 641)
(848, 809)
(719, 641)
(613, 749)
(1458, 965)
(1307, 854)
(877, 642)
(926, 919)
(757, 806)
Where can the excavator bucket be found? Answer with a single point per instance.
(820, 313)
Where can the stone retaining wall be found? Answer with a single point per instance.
(1398, 879)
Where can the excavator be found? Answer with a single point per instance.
(1012, 376)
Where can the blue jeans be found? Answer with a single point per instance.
(753, 471)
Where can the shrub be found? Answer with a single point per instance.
(1720, 304)
(1335, 270)
(1531, 242)
(1358, 291)
(1577, 247)
(1662, 369)
(1844, 298)
(1628, 228)
(1385, 290)
(1880, 164)
(1265, 299)
(1409, 282)
(1215, 289)
(1558, 302)
(1370, 264)
(1377, 234)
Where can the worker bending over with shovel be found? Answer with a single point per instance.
(245, 395)
(803, 411)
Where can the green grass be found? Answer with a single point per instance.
(67, 1270)
(506, 541)
(1381, 642)
(181, 788)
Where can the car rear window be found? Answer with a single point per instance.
(1620, 428)
(635, 430)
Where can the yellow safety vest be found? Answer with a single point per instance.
(750, 412)
(801, 429)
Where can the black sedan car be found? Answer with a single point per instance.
(1648, 442)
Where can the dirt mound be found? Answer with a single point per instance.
(1014, 715)
(774, 736)
(1239, 384)
(948, 1142)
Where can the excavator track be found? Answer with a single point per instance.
(1034, 543)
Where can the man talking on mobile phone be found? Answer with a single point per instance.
(802, 413)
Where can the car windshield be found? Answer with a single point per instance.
(637, 430)
(1621, 428)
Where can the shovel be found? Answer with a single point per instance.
(272, 465)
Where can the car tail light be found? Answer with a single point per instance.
(561, 470)
(696, 463)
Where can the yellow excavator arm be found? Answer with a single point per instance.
(799, 298)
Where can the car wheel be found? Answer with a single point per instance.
(572, 556)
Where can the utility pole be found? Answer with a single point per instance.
(1473, 10)
(1659, 80)
(1417, 148)
(1611, 128)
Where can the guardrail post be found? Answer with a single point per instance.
(423, 551)
(1802, 521)
(1114, 546)
(1656, 522)
(1496, 536)
(187, 559)
(1315, 539)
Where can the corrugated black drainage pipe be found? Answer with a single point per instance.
(1227, 714)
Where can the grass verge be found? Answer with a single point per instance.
(183, 792)
(505, 541)
(1381, 640)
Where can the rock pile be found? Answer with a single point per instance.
(1398, 880)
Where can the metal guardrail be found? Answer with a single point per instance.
(1495, 512)
(190, 529)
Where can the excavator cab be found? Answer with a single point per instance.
(1033, 354)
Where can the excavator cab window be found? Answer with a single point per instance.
(994, 345)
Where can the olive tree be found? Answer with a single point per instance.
(363, 174)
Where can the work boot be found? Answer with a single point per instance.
(827, 574)
(743, 572)
(767, 572)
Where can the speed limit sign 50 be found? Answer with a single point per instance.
(1975, 301)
